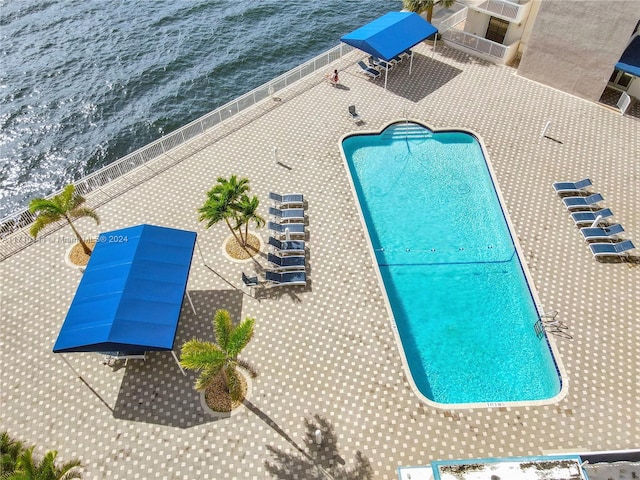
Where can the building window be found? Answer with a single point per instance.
(496, 30)
(620, 80)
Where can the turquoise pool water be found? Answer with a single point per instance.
(464, 311)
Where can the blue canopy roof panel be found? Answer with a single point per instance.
(390, 35)
(130, 296)
(630, 60)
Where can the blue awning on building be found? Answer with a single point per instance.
(390, 35)
(630, 60)
(131, 293)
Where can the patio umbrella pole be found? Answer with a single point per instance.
(175, 357)
(85, 382)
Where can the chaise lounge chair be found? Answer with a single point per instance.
(376, 62)
(290, 262)
(292, 229)
(588, 218)
(277, 279)
(353, 114)
(599, 233)
(572, 187)
(371, 72)
(249, 281)
(289, 214)
(575, 203)
(611, 249)
(287, 200)
(291, 246)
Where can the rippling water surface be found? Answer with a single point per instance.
(83, 83)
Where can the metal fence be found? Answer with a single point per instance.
(100, 184)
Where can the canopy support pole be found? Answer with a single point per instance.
(191, 302)
(86, 384)
(178, 362)
(410, 61)
(435, 40)
(386, 75)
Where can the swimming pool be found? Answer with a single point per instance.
(462, 305)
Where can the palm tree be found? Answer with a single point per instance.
(420, 6)
(227, 200)
(29, 469)
(247, 212)
(217, 208)
(67, 205)
(212, 359)
(10, 450)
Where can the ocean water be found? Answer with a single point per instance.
(83, 83)
(461, 302)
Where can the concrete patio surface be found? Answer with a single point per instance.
(326, 354)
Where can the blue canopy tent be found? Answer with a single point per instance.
(131, 293)
(390, 35)
(630, 60)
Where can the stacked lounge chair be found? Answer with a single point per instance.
(608, 243)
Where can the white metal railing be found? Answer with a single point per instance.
(510, 11)
(479, 44)
(12, 236)
(451, 21)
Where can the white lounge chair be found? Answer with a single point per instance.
(588, 218)
(276, 279)
(576, 203)
(353, 114)
(290, 262)
(601, 233)
(288, 246)
(287, 229)
(371, 72)
(288, 214)
(287, 200)
(611, 249)
(572, 187)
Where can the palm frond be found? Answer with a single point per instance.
(207, 376)
(240, 337)
(223, 326)
(198, 355)
(84, 212)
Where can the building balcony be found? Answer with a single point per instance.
(492, 51)
(515, 12)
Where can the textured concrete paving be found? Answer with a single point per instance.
(326, 353)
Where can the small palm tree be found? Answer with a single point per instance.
(29, 469)
(67, 205)
(228, 201)
(212, 359)
(218, 208)
(420, 6)
(247, 209)
(10, 450)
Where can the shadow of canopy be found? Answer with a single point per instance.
(155, 391)
(427, 76)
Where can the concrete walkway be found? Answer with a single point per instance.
(326, 354)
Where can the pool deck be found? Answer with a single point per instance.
(326, 354)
